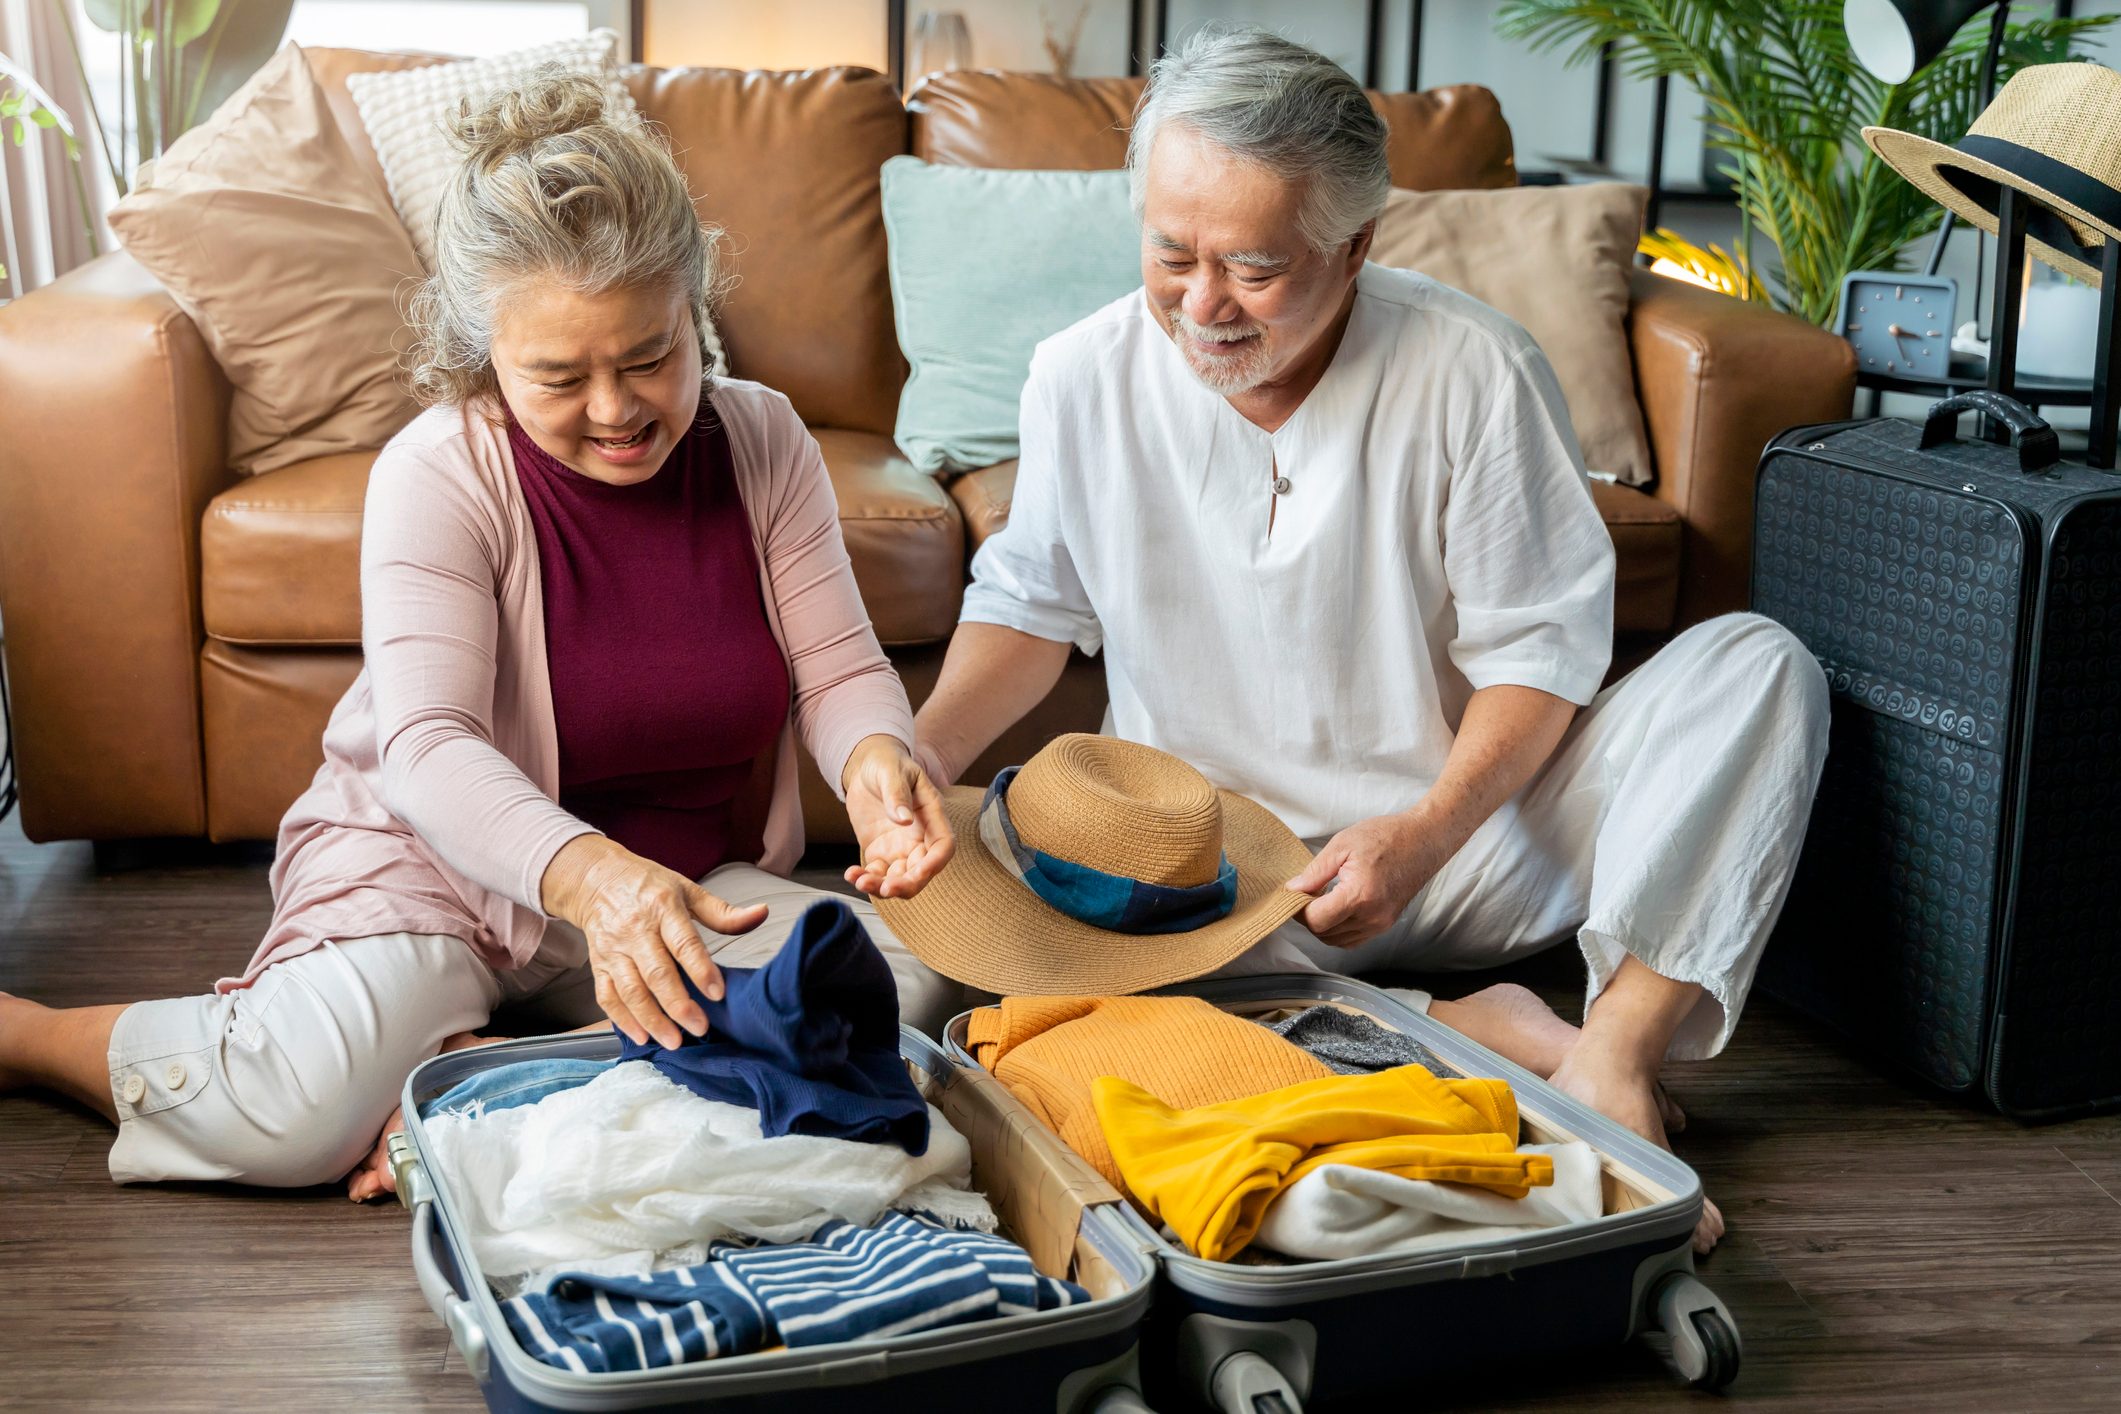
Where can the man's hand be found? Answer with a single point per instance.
(898, 819)
(1374, 868)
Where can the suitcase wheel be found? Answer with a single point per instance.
(1705, 1349)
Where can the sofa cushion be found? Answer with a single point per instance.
(903, 533)
(332, 67)
(1440, 137)
(1645, 531)
(1555, 259)
(787, 165)
(985, 263)
(266, 228)
(1646, 535)
(280, 554)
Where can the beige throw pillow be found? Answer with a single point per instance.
(1555, 259)
(269, 232)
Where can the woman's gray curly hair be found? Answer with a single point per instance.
(555, 185)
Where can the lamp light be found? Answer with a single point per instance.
(1893, 38)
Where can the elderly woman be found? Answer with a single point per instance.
(601, 597)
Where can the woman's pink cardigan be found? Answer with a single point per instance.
(436, 809)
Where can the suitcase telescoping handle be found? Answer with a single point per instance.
(2038, 448)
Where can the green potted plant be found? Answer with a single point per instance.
(178, 59)
(26, 108)
(1789, 101)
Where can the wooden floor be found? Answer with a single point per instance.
(1887, 1250)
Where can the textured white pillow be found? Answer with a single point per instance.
(404, 111)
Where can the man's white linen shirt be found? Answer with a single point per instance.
(1313, 650)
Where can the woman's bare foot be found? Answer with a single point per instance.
(1513, 1021)
(1612, 1088)
(11, 1077)
(373, 1177)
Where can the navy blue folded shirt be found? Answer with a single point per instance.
(810, 1040)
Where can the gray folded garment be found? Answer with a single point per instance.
(1353, 1045)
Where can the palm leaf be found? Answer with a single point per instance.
(1779, 81)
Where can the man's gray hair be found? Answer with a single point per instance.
(1270, 100)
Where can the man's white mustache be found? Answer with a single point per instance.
(1212, 333)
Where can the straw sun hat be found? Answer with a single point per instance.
(1099, 867)
(2054, 132)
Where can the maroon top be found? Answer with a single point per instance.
(667, 682)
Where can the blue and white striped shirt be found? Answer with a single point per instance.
(908, 1273)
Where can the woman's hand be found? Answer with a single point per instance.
(638, 916)
(898, 820)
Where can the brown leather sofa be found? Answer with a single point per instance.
(176, 637)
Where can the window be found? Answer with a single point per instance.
(472, 28)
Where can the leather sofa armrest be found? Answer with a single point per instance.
(1718, 377)
(112, 440)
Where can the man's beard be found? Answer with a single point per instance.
(1228, 375)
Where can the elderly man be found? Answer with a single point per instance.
(1329, 525)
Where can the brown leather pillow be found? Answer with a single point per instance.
(1555, 259)
(280, 244)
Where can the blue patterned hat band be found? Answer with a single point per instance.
(1113, 902)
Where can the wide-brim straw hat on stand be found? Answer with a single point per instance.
(1100, 867)
(2054, 133)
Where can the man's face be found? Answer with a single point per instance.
(605, 382)
(1227, 269)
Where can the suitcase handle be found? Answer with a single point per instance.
(2038, 447)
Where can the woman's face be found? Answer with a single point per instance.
(605, 382)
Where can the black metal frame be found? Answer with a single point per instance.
(895, 42)
(2013, 210)
(1418, 13)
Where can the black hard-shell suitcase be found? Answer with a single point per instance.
(1957, 905)
(1078, 1360)
(1353, 1332)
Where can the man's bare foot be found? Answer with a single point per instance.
(1538, 1039)
(1513, 1021)
(1610, 1088)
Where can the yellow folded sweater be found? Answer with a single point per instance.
(1181, 1050)
(1210, 1172)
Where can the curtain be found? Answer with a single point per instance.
(41, 231)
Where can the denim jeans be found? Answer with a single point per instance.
(506, 1086)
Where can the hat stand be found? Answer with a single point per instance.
(2013, 208)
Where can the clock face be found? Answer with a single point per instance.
(1900, 325)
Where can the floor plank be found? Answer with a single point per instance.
(1888, 1251)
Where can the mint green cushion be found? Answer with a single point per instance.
(984, 264)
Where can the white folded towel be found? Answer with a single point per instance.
(1340, 1211)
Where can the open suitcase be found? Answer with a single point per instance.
(1082, 1358)
(1955, 904)
(1269, 1339)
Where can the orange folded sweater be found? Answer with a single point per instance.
(1184, 1052)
